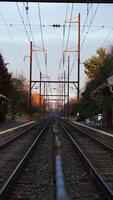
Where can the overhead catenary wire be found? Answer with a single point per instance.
(68, 32)
(86, 32)
(89, 26)
(51, 25)
(67, 42)
(68, 35)
(73, 63)
(66, 14)
(23, 21)
(84, 25)
(34, 52)
(106, 38)
(63, 36)
(42, 38)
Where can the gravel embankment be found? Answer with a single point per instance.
(79, 183)
(96, 134)
(37, 180)
(12, 153)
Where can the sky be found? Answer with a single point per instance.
(14, 42)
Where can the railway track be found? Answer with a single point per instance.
(97, 157)
(9, 135)
(55, 163)
(96, 133)
(32, 178)
(12, 151)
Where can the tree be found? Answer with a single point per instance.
(18, 95)
(5, 78)
(97, 68)
(93, 65)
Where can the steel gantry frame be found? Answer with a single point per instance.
(64, 82)
(64, 95)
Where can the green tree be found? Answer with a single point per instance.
(93, 65)
(18, 96)
(97, 68)
(5, 78)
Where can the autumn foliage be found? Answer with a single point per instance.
(36, 99)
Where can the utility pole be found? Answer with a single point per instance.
(30, 113)
(62, 99)
(68, 87)
(44, 100)
(78, 92)
(40, 92)
(64, 91)
(78, 52)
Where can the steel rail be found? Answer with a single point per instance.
(104, 186)
(105, 146)
(7, 142)
(6, 186)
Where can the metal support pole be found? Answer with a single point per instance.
(30, 80)
(40, 92)
(44, 99)
(62, 97)
(68, 87)
(64, 91)
(78, 92)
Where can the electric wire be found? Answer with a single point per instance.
(42, 36)
(84, 25)
(65, 19)
(72, 7)
(34, 51)
(23, 21)
(67, 42)
(73, 63)
(67, 7)
(108, 35)
(68, 32)
(89, 26)
(15, 25)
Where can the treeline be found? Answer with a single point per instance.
(97, 68)
(16, 91)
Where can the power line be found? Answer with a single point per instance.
(34, 52)
(42, 36)
(52, 25)
(64, 35)
(64, 57)
(108, 35)
(71, 69)
(27, 32)
(86, 32)
(68, 33)
(86, 20)
(89, 26)
(65, 19)
(23, 22)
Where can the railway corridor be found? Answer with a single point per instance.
(47, 162)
